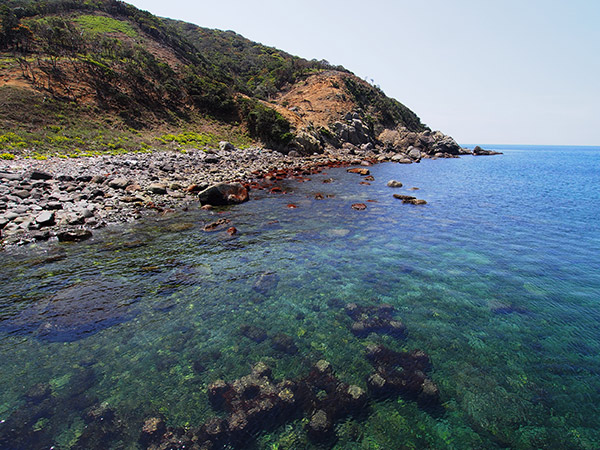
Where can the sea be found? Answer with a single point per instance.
(496, 279)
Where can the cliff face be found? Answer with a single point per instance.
(117, 67)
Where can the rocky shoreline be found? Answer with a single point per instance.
(67, 199)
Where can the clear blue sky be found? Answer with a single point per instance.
(501, 72)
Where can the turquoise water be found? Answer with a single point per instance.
(497, 279)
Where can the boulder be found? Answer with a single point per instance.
(306, 144)
(226, 146)
(394, 184)
(224, 194)
(414, 153)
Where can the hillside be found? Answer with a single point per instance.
(97, 76)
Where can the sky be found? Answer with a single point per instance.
(495, 72)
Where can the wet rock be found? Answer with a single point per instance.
(231, 231)
(394, 184)
(359, 206)
(404, 197)
(266, 283)
(224, 194)
(359, 170)
(77, 235)
(215, 225)
(254, 333)
(415, 201)
(42, 235)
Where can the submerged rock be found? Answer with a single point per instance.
(76, 312)
(266, 283)
(255, 333)
(214, 225)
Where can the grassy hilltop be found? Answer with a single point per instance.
(101, 76)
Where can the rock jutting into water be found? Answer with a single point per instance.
(360, 171)
(478, 151)
(409, 199)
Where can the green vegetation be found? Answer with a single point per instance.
(87, 75)
(265, 123)
(388, 111)
(102, 24)
(195, 140)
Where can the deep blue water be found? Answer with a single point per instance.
(497, 279)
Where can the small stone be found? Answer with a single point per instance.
(394, 184)
(119, 183)
(158, 188)
(22, 193)
(359, 206)
(45, 219)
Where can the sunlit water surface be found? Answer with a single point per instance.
(497, 278)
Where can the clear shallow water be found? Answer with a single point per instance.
(497, 279)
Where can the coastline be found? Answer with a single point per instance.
(70, 198)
